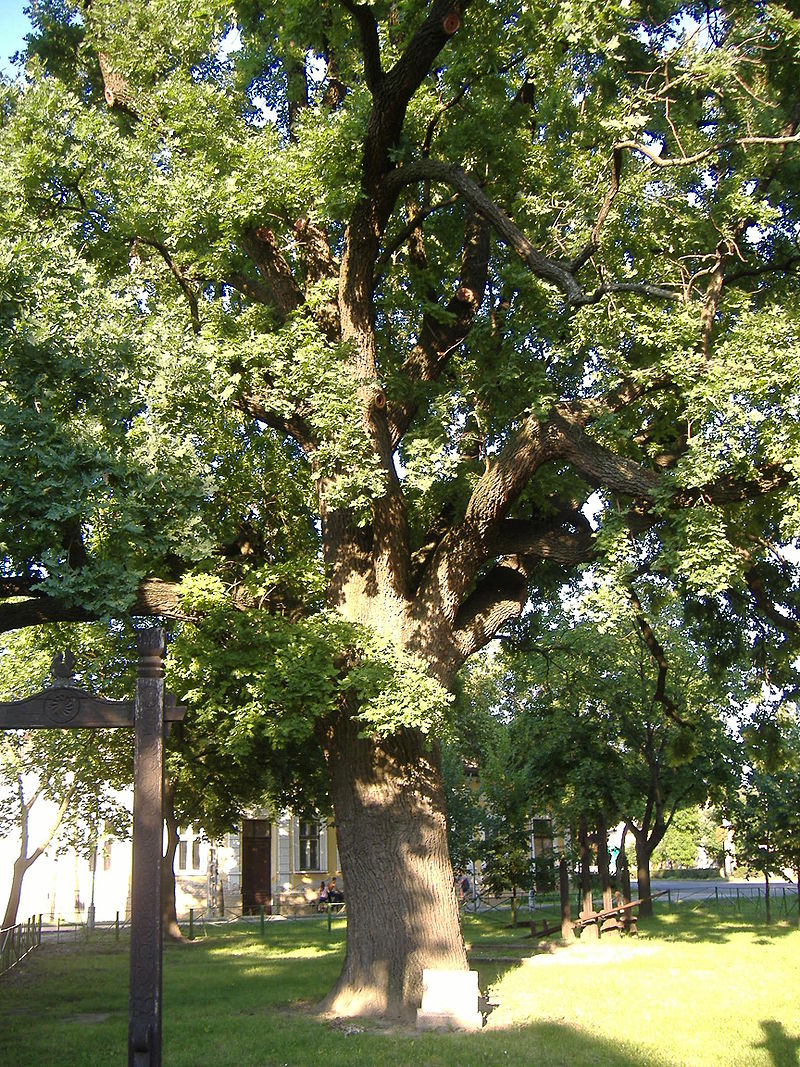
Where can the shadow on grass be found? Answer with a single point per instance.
(235, 997)
(686, 923)
(782, 1047)
(275, 1039)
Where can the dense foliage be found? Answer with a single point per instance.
(340, 331)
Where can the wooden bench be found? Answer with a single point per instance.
(621, 916)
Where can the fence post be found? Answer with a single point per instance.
(39, 934)
(716, 893)
(58, 931)
(669, 897)
(191, 924)
(329, 918)
(116, 928)
(262, 920)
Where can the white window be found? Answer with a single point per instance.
(189, 859)
(310, 852)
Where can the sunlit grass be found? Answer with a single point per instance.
(693, 989)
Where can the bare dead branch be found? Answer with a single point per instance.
(686, 161)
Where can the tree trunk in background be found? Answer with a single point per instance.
(767, 906)
(567, 931)
(602, 862)
(589, 932)
(169, 914)
(610, 926)
(624, 870)
(24, 861)
(643, 875)
(14, 894)
(402, 911)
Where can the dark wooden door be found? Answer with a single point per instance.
(256, 867)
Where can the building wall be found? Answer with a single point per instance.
(208, 874)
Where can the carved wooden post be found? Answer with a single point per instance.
(64, 706)
(144, 1032)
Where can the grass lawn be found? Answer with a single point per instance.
(694, 988)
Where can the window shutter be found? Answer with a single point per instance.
(323, 845)
(284, 827)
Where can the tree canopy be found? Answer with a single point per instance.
(351, 327)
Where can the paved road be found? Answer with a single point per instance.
(700, 889)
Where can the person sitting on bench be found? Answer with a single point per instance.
(335, 896)
(322, 899)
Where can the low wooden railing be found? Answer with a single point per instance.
(16, 942)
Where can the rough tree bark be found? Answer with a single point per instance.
(402, 911)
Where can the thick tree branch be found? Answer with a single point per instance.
(730, 490)
(550, 541)
(261, 246)
(369, 219)
(597, 464)
(153, 597)
(498, 597)
(294, 426)
(438, 338)
(318, 264)
(368, 27)
(551, 270)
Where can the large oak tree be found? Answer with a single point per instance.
(325, 321)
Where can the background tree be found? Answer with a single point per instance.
(372, 300)
(611, 723)
(80, 774)
(767, 816)
(507, 862)
(691, 830)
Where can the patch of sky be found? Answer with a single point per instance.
(14, 25)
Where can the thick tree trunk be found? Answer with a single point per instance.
(169, 911)
(402, 911)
